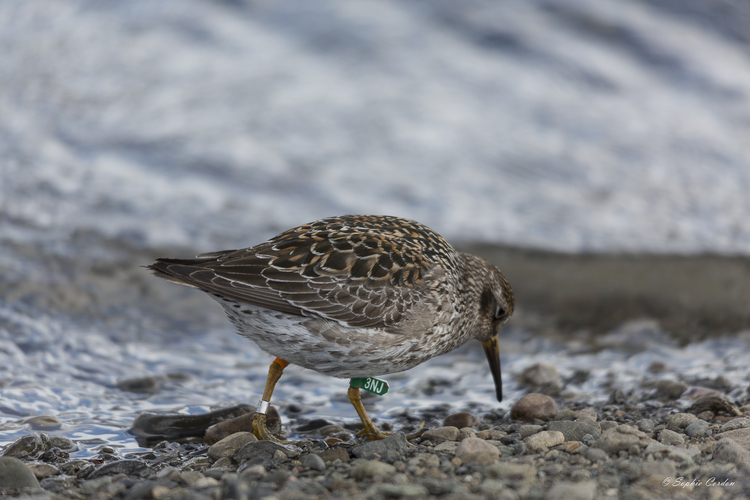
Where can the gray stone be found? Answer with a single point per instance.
(509, 471)
(367, 469)
(596, 455)
(406, 490)
(527, 430)
(544, 439)
(679, 421)
(620, 438)
(314, 462)
(477, 450)
(670, 437)
(543, 378)
(734, 424)
(574, 431)
(729, 450)
(230, 445)
(646, 425)
(659, 467)
(460, 420)
(586, 415)
(389, 449)
(670, 390)
(334, 454)
(584, 490)
(699, 428)
(441, 434)
(42, 470)
(15, 474)
(660, 450)
(741, 436)
(534, 406)
(263, 450)
(128, 467)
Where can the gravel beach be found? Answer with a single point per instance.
(624, 448)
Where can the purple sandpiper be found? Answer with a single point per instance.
(353, 296)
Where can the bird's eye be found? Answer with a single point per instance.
(499, 312)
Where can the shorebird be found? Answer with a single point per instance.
(353, 296)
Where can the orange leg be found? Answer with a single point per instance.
(370, 431)
(259, 422)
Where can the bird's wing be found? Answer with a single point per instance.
(352, 272)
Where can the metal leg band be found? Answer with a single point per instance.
(263, 407)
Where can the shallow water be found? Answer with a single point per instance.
(137, 129)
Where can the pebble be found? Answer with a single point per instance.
(596, 455)
(127, 467)
(389, 449)
(42, 470)
(402, 490)
(542, 378)
(534, 406)
(366, 469)
(669, 390)
(679, 421)
(334, 454)
(574, 431)
(461, 420)
(441, 434)
(230, 445)
(584, 490)
(699, 428)
(736, 423)
(314, 462)
(586, 415)
(43, 422)
(621, 438)
(544, 439)
(646, 425)
(670, 437)
(741, 436)
(14, 474)
(527, 430)
(510, 471)
(729, 450)
(263, 450)
(477, 450)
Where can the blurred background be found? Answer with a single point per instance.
(598, 151)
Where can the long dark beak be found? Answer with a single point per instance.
(493, 356)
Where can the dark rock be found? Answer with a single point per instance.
(313, 425)
(334, 454)
(699, 428)
(242, 423)
(127, 467)
(669, 390)
(441, 434)
(230, 445)
(148, 385)
(461, 420)
(173, 426)
(15, 474)
(715, 404)
(387, 450)
(574, 431)
(28, 446)
(534, 406)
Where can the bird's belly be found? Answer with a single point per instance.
(328, 347)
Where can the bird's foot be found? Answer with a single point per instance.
(261, 431)
(374, 434)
